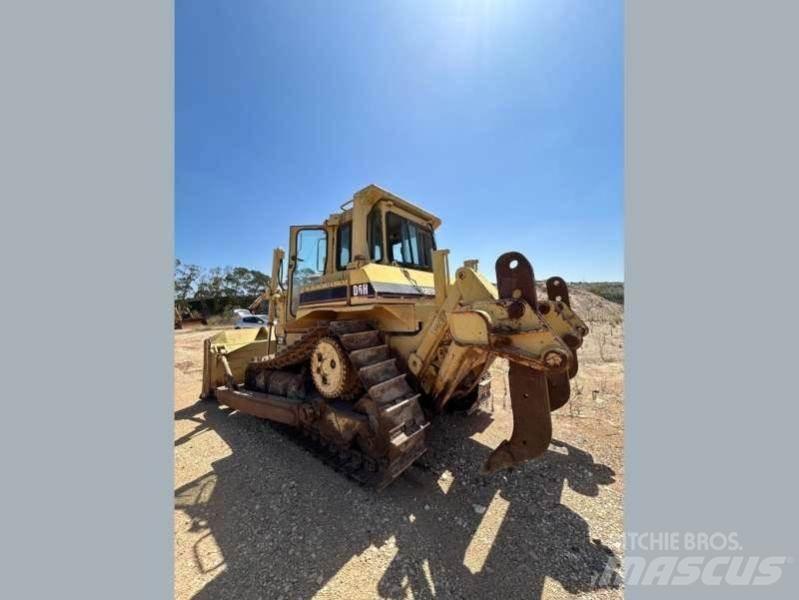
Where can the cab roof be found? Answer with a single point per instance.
(372, 194)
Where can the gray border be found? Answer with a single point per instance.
(711, 177)
(87, 138)
(87, 145)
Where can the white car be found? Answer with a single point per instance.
(247, 320)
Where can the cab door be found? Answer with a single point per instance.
(307, 260)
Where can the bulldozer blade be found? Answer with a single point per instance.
(532, 420)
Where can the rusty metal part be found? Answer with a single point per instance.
(229, 379)
(295, 354)
(559, 390)
(279, 383)
(532, 421)
(340, 422)
(515, 309)
(264, 406)
(392, 406)
(572, 341)
(387, 423)
(573, 366)
(558, 291)
(345, 459)
(515, 278)
(331, 369)
(563, 317)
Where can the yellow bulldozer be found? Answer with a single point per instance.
(184, 316)
(368, 339)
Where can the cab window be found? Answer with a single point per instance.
(343, 246)
(375, 234)
(409, 244)
(311, 257)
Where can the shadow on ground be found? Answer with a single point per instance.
(285, 525)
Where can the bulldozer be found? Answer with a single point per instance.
(369, 338)
(185, 316)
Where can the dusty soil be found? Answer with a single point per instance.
(257, 517)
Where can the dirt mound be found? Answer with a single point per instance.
(589, 306)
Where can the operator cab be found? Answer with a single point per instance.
(375, 227)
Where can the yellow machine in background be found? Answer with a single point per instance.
(185, 316)
(371, 338)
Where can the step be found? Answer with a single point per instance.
(361, 339)
(402, 412)
(369, 356)
(378, 372)
(349, 326)
(390, 390)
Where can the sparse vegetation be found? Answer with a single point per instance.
(218, 290)
(609, 290)
(601, 342)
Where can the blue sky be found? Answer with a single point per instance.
(505, 119)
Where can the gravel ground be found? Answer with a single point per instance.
(257, 517)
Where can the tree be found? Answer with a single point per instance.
(186, 277)
(240, 281)
(210, 284)
(219, 282)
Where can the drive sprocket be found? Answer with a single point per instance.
(331, 370)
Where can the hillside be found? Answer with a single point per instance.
(609, 290)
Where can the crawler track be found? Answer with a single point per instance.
(396, 418)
